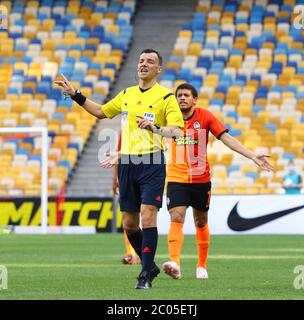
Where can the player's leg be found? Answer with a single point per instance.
(175, 241)
(201, 194)
(202, 242)
(178, 199)
(176, 236)
(130, 255)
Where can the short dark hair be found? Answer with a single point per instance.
(160, 58)
(187, 86)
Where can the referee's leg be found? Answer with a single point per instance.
(133, 231)
(144, 241)
(150, 235)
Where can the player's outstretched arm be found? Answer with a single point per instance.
(89, 105)
(235, 145)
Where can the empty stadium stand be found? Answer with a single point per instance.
(246, 60)
(85, 40)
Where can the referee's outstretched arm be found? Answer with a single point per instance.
(89, 105)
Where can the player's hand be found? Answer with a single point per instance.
(115, 186)
(145, 123)
(261, 161)
(110, 160)
(66, 85)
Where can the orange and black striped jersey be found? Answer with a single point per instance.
(187, 160)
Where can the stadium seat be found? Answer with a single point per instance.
(248, 58)
(68, 37)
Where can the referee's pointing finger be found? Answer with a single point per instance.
(64, 78)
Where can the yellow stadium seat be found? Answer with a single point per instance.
(270, 26)
(178, 52)
(211, 21)
(195, 49)
(96, 18)
(107, 72)
(242, 27)
(69, 35)
(202, 8)
(220, 174)
(88, 53)
(115, 60)
(94, 41)
(185, 34)
(49, 44)
(172, 65)
(239, 191)
(219, 191)
(267, 191)
(226, 159)
(75, 54)
(252, 190)
(117, 53)
(113, 29)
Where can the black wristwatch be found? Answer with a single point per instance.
(157, 128)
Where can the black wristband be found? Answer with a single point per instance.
(79, 98)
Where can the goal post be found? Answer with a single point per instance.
(44, 168)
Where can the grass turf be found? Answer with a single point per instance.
(89, 267)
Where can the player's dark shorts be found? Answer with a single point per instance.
(141, 181)
(195, 195)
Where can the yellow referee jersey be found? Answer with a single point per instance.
(157, 104)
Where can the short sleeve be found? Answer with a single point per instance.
(216, 127)
(119, 143)
(174, 116)
(113, 107)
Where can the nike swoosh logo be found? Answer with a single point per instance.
(238, 223)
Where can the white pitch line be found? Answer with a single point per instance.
(187, 256)
(55, 266)
(239, 257)
(284, 250)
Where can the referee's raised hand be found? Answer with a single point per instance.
(66, 85)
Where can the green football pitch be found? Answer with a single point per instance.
(89, 267)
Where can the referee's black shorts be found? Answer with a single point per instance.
(195, 195)
(141, 181)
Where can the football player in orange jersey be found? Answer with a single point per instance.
(188, 176)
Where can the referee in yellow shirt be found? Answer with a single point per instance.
(149, 113)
